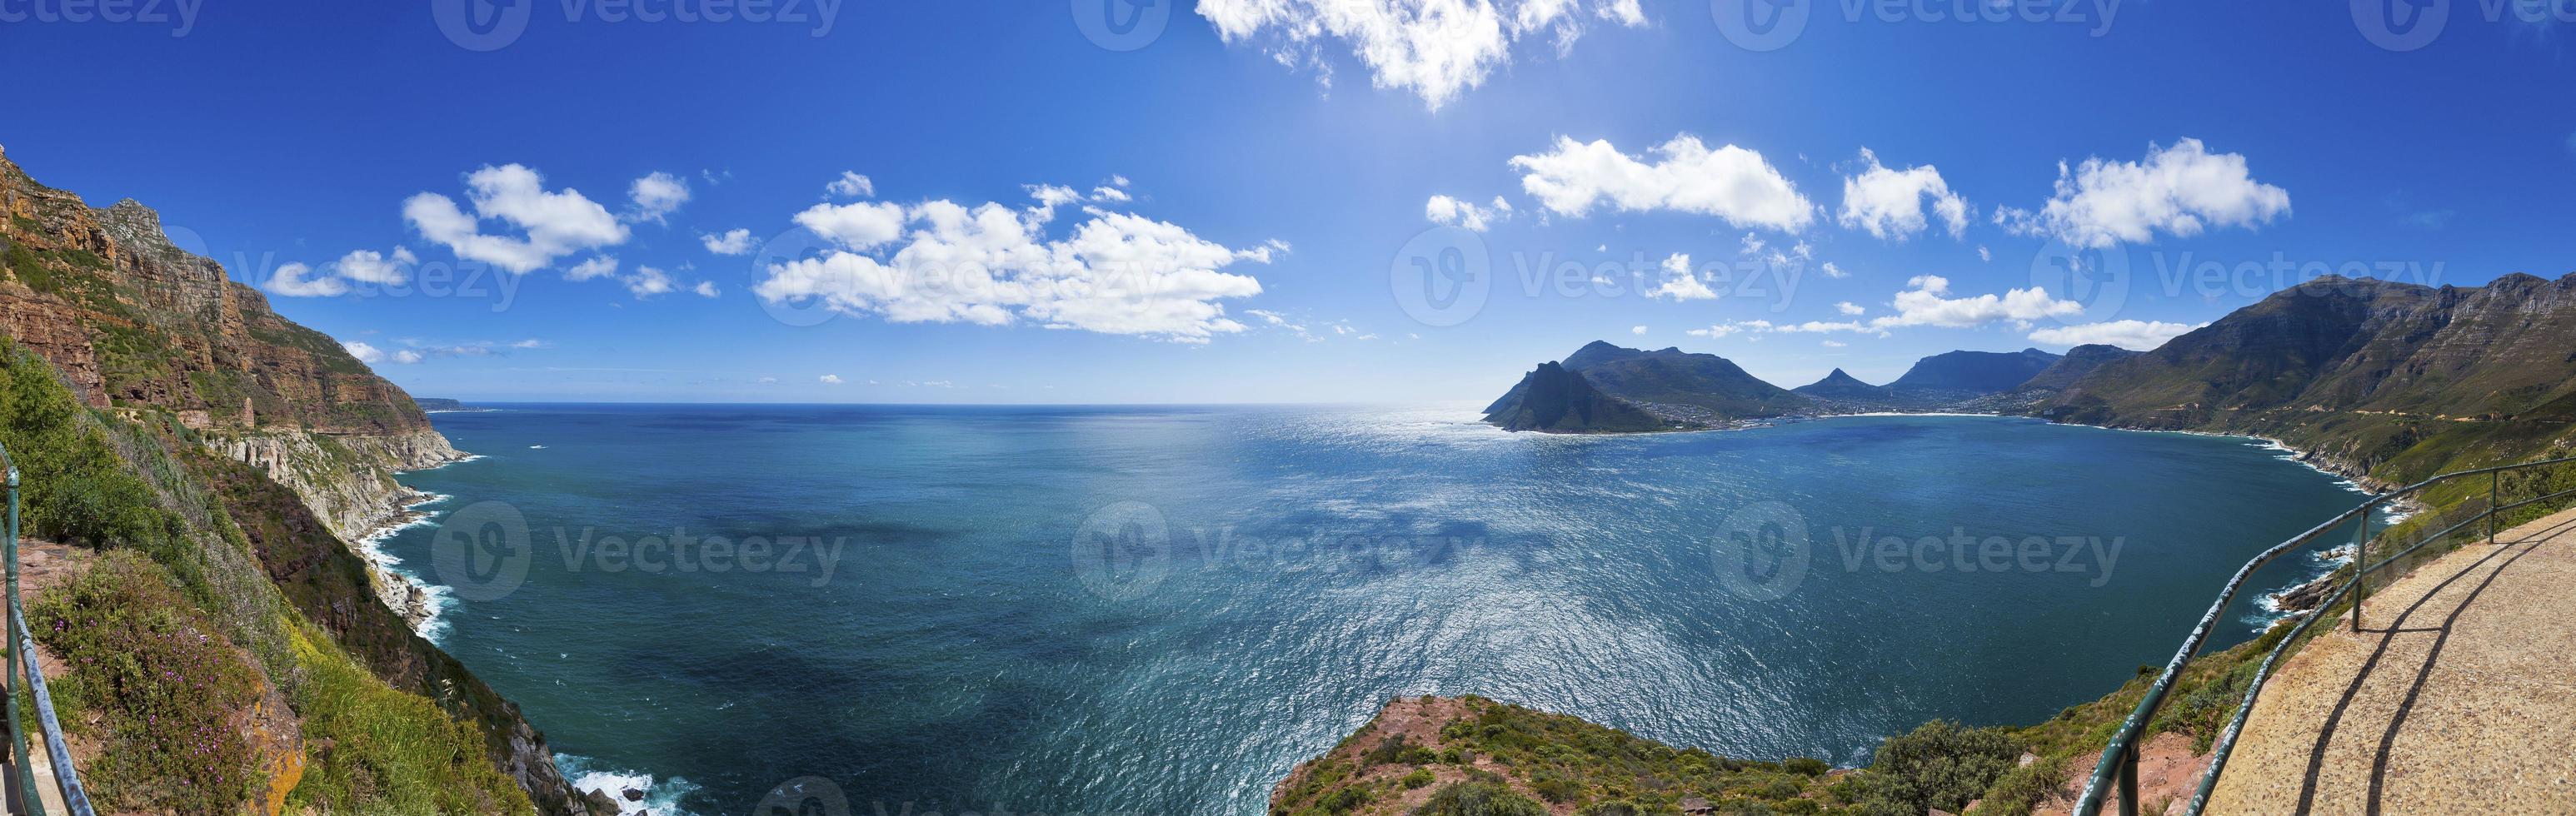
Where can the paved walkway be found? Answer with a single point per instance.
(2458, 695)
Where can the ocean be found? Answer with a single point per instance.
(1159, 610)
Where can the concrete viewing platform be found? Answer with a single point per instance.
(2458, 695)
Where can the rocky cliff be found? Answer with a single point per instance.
(143, 329)
(2377, 379)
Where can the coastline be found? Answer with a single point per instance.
(416, 600)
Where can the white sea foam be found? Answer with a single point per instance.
(661, 798)
(371, 546)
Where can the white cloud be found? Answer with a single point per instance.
(2134, 335)
(369, 266)
(365, 353)
(860, 226)
(554, 224)
(1680, 283)
(648, 281)
(1834, 344)
(1636, 330)
(851, 185)
(530, 343)
(992, 264)
(1832, 271)
(2179, 190)
(704, 289)
(1983, 254)
(656, 195)
(829, 379)
(1729, 182)
(1442, 209)
(299, 280)
(1849, 308)
(1927, 303)
(1051, 196)
(1434, 49)
(596, 266)
(1889, 203)
(732, 242)
(408, 357)
(1112, 194)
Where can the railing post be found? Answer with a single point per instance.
(2495, 493)
(17, 734)
(2360, 564)
(2129, 781)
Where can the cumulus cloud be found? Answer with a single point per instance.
(1636, 330)
(1890, 203)
(1684, 175)
(1442, 209)
(2134, 335)
(732, 242)
(550, 224)
(369, 266)
(592, 268)
(851, 185)
(2178, 190)
(1435, 49)
(365, 353)
(1679, 283)
(829, 379)
(1110, 194)
(656, 195)
(993, 264)
(1927, 302)
(1832, 271)
(705, 289)
(299, 280)
(648, 281)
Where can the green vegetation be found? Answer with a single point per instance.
(165, 685)
(168, 641)
(1479, 799)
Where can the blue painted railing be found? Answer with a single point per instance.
(22, 652)
(2118, 767)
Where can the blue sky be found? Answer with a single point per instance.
(1277, 164)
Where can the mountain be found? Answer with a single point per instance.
(2079, 361)
(1555, 399)
(1961, 374)
(436, 404)
(1703, 388)
(1841, 386)
(2392, 379)
(231, 453)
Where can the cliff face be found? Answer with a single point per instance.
(137, 323)
(2365, 374)
(301, 435)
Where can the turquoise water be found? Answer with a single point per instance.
(1000, 630)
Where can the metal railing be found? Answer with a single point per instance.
(2119, 764)
(22, 651)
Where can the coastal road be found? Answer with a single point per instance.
(2457, 696)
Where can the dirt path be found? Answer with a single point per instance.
(2458, 695)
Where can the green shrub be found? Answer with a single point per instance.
(1940, 765)
(1419, 778)
(1479, 799)
(1807, 766)
(163, 686)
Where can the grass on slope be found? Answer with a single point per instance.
(158, 639)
